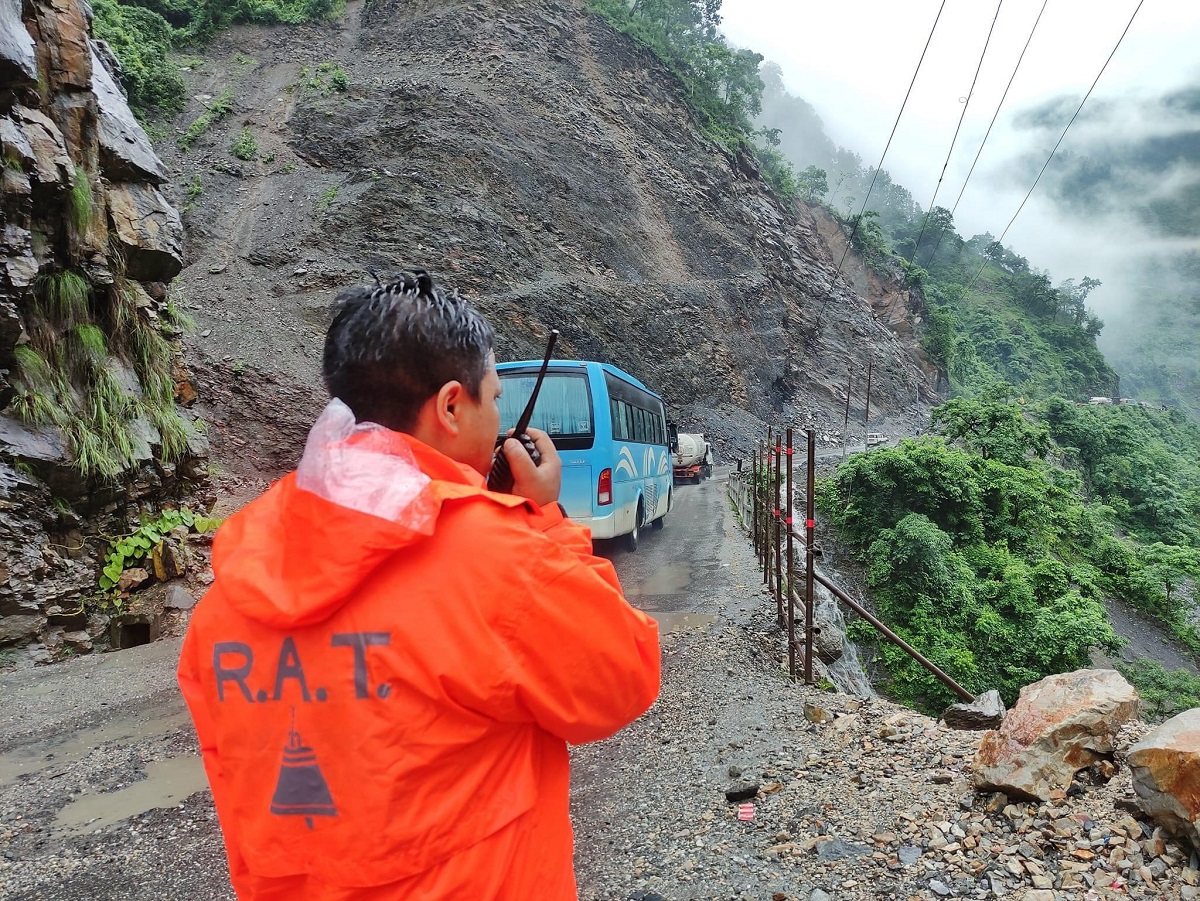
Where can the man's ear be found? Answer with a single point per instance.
(447, 407)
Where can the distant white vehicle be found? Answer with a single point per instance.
(874, 438)
(693, 458)
(1100, 400)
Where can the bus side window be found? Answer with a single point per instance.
(627, 417)
(614, 407)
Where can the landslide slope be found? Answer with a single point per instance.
(542, 163)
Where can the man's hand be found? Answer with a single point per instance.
(541, 483)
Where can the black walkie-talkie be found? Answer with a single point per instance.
(501, 477)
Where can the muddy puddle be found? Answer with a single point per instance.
(60, 752)
(167, 783)
(682, 622)
(671, 578)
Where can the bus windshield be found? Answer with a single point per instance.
(563, 409)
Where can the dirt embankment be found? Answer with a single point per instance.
(540, 162)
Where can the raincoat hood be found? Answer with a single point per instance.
(295, 555)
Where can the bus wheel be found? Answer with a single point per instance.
(662, 520)
(631, 540)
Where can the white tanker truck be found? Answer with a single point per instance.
(693, 458)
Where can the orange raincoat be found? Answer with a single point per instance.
(384, 698)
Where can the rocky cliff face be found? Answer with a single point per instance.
(89, 428)
(549, 168)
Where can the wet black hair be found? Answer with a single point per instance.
(391, 347)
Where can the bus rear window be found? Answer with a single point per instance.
(563, 409)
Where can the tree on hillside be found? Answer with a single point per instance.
(993, 427)
(812, 183)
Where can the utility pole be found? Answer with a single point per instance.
(846, 418)
(867, 414)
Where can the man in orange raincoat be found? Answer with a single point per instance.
(391, 660)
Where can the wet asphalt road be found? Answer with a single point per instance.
(672, 572)
(101, 787)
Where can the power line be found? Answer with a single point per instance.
(854, 230)
(1000, 240)
(1003, 97)
(954, 140)
(988, 133)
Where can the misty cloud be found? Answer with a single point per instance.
(1132, 154)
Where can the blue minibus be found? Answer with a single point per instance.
(612, 434)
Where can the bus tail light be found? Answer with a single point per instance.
(604, 488)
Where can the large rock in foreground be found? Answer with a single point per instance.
(1166, 774)
(1059, 726)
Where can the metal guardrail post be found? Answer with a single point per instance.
(754, 499)
(779, 530)
(809, 526)
(761, 478)
(791, 569)
(766, 510)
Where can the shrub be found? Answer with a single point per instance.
(221, 106)
(80, 202)
(62, 298)
(244, 146)
(142, 39)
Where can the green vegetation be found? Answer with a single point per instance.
(63, 297)
(142, 40)
(1164, 692)
(221, 106)
(244, 146)
(990, 544)
(81, 205)
(720, 84)
(195, 187)
(328, 196)
(143, 34)
(70, 377)
(176, 317)
(141, 542)
(324, 79)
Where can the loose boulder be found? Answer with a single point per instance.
(149, 230)
(1059, 726)
(1166, 775)
(985, 712)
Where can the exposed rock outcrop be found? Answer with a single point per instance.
(1060, 725)
(1166, 775)
(560, 182)
(83, 222)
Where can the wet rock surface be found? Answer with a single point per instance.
(1166, 775)
(986, 712)
(1059, 725)
(81, 212)
(603, 213)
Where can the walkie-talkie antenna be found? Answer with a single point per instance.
(527, 413)
(500, 478)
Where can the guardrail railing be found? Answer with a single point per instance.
(765, 492)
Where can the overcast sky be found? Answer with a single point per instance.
(853, 60)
